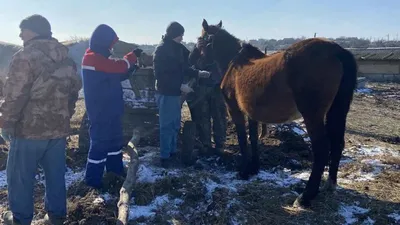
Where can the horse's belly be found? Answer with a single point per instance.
(275, 110)
(269, 115)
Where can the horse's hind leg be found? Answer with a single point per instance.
(336, 126)
(240, 125)
(335, 130)
(320, 146)
(254, 167)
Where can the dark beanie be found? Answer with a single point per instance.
(37, 24)
(174, 30)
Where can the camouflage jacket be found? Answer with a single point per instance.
(40, 91)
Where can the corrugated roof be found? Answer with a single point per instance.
(376, 53)
(392, 53)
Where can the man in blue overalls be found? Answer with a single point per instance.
(103, 93)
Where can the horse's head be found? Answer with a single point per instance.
(218, 44)
(208, 36)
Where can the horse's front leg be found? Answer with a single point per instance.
(254, 167)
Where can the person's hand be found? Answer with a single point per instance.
(204, 74)
(200, 43)
(186, 89)
(7, 134)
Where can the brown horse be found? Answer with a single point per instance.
(314, 79)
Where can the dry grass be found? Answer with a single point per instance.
(375, 118)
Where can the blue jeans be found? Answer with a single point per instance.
(169, 110)
(23, 159)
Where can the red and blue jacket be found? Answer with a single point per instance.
(102, 77)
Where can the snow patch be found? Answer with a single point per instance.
(3, 179)
(102, 198)
(364, 90)
(71, 177)
(147, 173)
(299, 131)
(395, 216)
(365, 176)
(148, 211)
(349, 212)
(368, 221)
(366, 150)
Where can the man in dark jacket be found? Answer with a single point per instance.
(171, 69)
(207, 102)
(104, 102)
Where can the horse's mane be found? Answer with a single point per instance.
(232, 44)
(247, 53)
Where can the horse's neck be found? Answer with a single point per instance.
(225, 56)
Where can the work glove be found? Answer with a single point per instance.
(7, 134)
(185, 88)
(138, 52)
(131, 57)
(204, 74)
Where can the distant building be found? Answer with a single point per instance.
(380, 64)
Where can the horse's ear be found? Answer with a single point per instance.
(219, 24)
(205, 24)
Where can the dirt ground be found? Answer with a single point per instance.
(374, 120)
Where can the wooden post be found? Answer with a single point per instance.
(130, 180)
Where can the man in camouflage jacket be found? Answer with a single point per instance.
(40, 93)
(207, 102)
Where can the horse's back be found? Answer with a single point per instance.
(314, 72)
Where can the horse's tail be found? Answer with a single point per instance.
(348, 83)
(336, 116)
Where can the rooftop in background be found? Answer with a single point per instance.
(386, 53)
(380, 54)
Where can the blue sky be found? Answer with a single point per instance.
(144, 21)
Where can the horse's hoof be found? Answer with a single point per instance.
(329, 186)
(301, 202)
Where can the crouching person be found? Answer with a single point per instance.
(171, 67)
(103, 94)
(40, 93)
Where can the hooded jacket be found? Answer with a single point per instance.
(102, 78)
